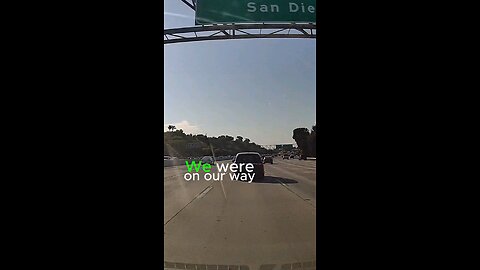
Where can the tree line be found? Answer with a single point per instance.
(177, 143)
(306, 140)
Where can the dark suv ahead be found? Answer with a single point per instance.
(253, 158)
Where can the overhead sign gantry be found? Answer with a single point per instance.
(245, 19)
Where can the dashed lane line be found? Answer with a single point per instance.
(200, 195)
(304, 199)
(300, 166)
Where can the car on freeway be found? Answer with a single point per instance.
(292, 156)
(253, 158)
(286, 157)
(208, 160)
(268, 159)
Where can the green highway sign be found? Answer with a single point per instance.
(255, 11)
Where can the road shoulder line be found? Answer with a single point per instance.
(303, 199)
(203, 193)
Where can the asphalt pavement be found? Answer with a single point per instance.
(266, 224)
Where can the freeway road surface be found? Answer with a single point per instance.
(267, 224)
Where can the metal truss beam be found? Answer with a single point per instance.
(239, 31)
(192, 5)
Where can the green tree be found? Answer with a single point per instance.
(300, 135)
(182, 145)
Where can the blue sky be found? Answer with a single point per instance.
(258, 89)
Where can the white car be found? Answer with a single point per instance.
(208, 160)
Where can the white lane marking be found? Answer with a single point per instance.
(201, 195)
(223, 189)
(300, 166)
(298, 195)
